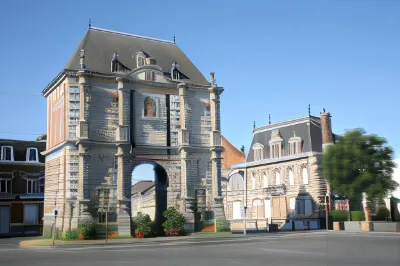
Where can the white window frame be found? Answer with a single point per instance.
(253, 181)
(28, 151)
(278, 174)
(265, 181)
(137, 60)
(258, 150)
(291, 176)
(32, 184)
(235, 215)
(3, 153)
(305, 178)
(8, 189)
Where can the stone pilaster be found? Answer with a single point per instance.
(83, 192)
(216, 149)
(123, 190)
(183, 139)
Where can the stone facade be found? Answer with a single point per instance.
(281, 178)
(121, 119)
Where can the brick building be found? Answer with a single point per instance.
(21, 186)
(123, 100)
(281, 178)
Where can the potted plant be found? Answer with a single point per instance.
(142, 223)
(175, 221)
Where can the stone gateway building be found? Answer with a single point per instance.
(123, 100)
(281, 178)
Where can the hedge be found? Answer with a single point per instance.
(357, 216)
(339, 216)
(223, 226)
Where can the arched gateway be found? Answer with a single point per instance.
(142, 101)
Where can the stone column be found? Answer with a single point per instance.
(82, 129)
(216, 149)
(123, 190)
(186, 201)
(122, 133)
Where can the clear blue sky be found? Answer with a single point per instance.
(272, 57)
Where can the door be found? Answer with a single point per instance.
(4, 220)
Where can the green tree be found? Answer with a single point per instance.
(174, 219)
(142, 223)
(359, 163)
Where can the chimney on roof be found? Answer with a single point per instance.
(242, 149)
(326, 129)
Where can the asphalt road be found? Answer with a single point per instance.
(271, 249)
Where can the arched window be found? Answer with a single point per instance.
(305, 175)
(291, 177)
(265, 180)
(277, 177)
(150, 108)
(253, 181)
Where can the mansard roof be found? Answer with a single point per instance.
(307, 128)
(20, 148)
(100, 46)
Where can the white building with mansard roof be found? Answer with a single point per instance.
(280, 178)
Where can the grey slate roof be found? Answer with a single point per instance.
(100, 46)
(141, 186)
(307, 128)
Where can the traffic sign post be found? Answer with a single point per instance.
(106, 201)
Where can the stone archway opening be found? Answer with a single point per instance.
(149, 192)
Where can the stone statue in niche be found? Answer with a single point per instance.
(149, 107)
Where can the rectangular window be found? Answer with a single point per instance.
(150, 76)
(35, 186)
(7, 153)
(237, 210)
(31, 214)
(32, 155)
(5, 185)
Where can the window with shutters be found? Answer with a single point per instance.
(258, 209)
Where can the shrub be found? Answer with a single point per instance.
(223, 226)
(87, 230)
(174, 219)
(142, 223)
(357, 216)
(382, 214)
(339, 216)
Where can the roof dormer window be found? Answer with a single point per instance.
(32, 155)
(175, 74)
(295, 144)
(258, 149)
(140, 61)
(7, 153)
(276, 144)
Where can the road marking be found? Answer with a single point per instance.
(290, 251)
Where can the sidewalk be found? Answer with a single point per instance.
(42, 242)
